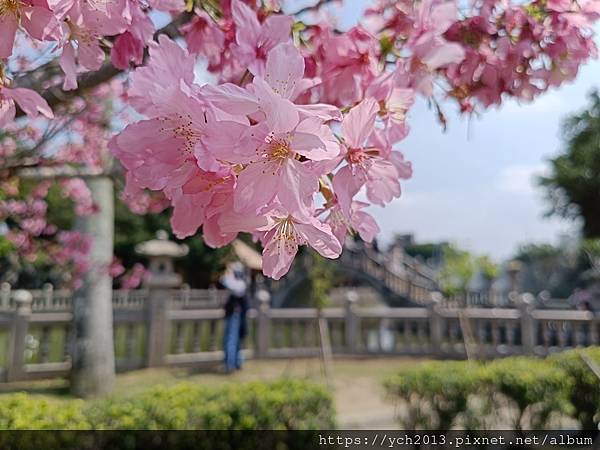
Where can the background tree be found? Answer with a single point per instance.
(573, 185)
(460, 266)
(547, 267)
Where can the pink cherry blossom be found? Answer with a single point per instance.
(160, 151)
(34, 16)
(168, 66)
(285, 232)
(373, 167)
(81, 48)
(205, 38)
(283, 82)
(271, 154)
(350, 63)
(254, 40)
(354, 220)
(135, 277)
(190, 203)
(29, 101)
(126, 49)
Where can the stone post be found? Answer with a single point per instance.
(4, 295)
(93, 370)
(157, 306)
(436, 325)
(18, 335)
(525, 303)
(263, 324)
(48, 292)
(352, 323)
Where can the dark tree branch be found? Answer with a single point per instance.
(56, 96)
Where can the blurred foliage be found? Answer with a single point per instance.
(591, 249)
(428, 252)
(434, 395)
(281, 405)
(457, 270)
(534, 388)
(573, 185)
(584, 391)
(24, 412)
(61, 211)
(6, 247)
(321, 279)
(34, 273)
(200, 268)
(555, 269)
(518, 392)
(460, 266)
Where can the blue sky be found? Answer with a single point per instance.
(475, 184)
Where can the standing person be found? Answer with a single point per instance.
(236, 307)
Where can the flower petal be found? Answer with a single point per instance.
(320, 237)
(285, 69)
(359, 123)
(30, 102)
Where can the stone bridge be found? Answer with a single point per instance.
(401, 281)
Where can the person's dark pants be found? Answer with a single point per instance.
(231, 342)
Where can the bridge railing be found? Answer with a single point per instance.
(185, 328)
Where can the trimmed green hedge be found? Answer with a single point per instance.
(25, 412)
(281, 405)
(434, 394)
(517, 392)
(584, 391)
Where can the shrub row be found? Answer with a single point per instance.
(517, 392)
(281, 405)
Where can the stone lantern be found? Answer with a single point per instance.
(160, 253)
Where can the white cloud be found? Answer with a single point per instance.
(551, 103)
(519, 179)
(493, 219)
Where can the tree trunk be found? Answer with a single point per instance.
(93, 358)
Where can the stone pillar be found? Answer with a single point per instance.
(158, 334)
(4, 295)
(18, 335)
(352, 323)
(263, 324)
(93, 370)
(525, 303)
(436, 325)
(514, 269)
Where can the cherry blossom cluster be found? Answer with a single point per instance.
(24, 199)
(285, 144)
(249, 159)
(299, 135)
(497, 48)
(30, 232)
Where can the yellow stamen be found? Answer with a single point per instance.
(9, 7)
